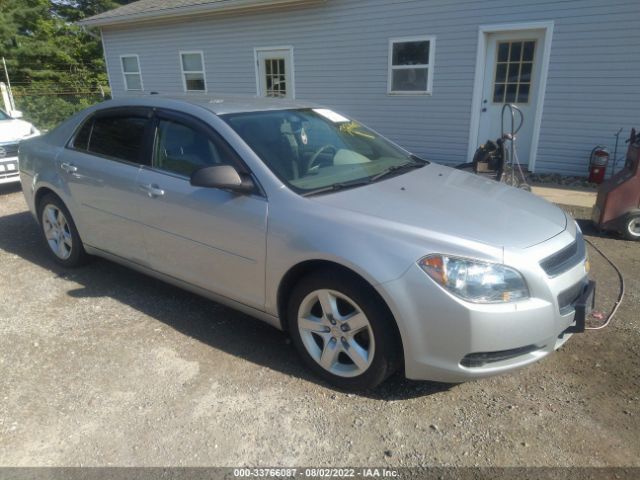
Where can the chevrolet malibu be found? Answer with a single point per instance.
(371, 258)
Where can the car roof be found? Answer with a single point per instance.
(218, 104)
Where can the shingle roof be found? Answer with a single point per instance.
(152, 9)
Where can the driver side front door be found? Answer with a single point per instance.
(211, 238)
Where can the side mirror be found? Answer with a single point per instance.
(15, 114)
(224, 177)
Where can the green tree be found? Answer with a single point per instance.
(56, 67)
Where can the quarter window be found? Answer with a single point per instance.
(182, 150)
(81, 140)
(193, 77)
(131, 72)
(411, 65)
(119, 137)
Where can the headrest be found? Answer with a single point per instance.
(176, 135)
(265, 131)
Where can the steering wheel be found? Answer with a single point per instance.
(314, 157)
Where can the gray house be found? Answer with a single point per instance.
(430, 74)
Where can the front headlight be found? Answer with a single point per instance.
(474, 280)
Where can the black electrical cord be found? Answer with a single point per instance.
(620, 295)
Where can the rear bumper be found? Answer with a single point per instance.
(450, 340)
(9, 172)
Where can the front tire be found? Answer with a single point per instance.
(60, 233)
(343, 330)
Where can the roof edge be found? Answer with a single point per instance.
(172, 12)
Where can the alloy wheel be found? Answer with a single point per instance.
(57, 231)
(336, 333)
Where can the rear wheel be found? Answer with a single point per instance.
(60, 233)
(631, 229)
(343, 330)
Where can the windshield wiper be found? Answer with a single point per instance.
(396, 169)
(337, 186)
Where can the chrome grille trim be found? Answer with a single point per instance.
(11, 150)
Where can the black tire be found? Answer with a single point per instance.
(77, 255)
(630, 225)
(388, 348)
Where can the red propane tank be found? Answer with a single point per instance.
(598, 164)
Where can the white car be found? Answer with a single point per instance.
(12, 131)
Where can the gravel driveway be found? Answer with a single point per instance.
(105, 366)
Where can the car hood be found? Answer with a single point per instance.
(13, 130)
(444, 200)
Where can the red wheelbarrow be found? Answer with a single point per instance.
(617, 207)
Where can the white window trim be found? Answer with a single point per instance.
(183, 71)
(288, 48)
(124, 74)
(432, 50)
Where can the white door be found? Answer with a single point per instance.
(512, 75)
(275, 73)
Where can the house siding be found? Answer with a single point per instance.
(341, 61)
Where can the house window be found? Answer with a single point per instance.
(411, 65)
(131, 72)
(193, 77)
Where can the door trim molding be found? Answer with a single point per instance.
(478, 84)
(287, 48)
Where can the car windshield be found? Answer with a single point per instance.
(315, 150)
(3, 115)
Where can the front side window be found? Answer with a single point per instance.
(316, 149)
(411, 65)
(193, 76)
(131, 72)
(118, 137)
(4, 116)
(182, 150)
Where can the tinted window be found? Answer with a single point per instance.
(118, 136)
(182, 149)
(81, 140)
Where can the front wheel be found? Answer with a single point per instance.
(343, 330)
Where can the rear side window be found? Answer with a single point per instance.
(118, 137)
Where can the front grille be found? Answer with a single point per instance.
(568, 297)
(474, 360)
(10, 150)
(565, 259)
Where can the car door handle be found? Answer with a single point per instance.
(68, 167)
(152, 190)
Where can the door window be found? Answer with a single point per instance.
(181, 149)
(514, 66)
(275, 77)
(275, 73)
(119, 137)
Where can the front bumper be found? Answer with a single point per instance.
(9, 172)
(447, 339)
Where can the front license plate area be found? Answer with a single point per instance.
(583, 307)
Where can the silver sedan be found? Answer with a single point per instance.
(370, 257)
